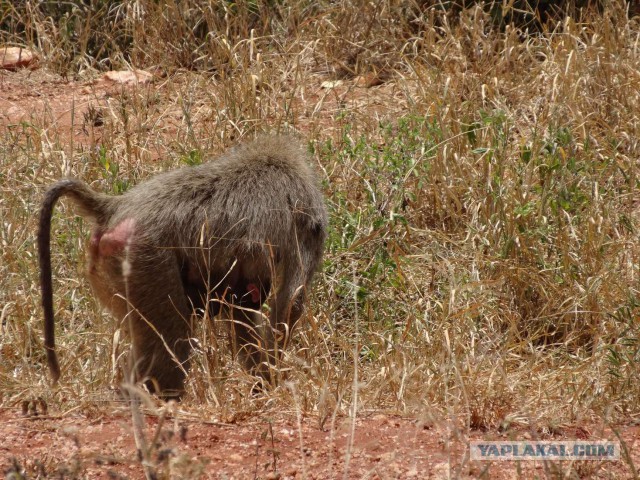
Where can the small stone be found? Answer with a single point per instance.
(331, 83)
(235, 457)
(368, 80)
(12, 58)
(128, 77)
(291, 472)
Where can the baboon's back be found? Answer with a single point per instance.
(262, 191)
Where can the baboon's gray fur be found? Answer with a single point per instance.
(243, 228)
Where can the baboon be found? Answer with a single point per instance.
(228, 235)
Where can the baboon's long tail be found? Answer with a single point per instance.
(90, 202)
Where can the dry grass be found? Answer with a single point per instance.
(485, 197)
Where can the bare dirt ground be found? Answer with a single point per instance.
(277, 446)
(384, 446)
(377, 446)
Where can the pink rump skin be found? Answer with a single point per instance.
(113, 241)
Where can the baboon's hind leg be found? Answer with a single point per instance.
(160, 322)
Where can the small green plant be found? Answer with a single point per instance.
(192, 158)
(111, 172)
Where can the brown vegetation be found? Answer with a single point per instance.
(483, 261)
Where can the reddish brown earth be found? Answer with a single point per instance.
(383, 446)
(61, 107)
(386, 446)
